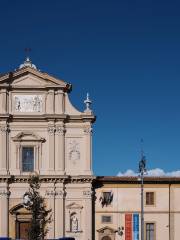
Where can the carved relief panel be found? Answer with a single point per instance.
(74, 153)
(28, 103)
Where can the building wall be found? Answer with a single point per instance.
(127, 200)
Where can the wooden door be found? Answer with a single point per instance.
(23, 230)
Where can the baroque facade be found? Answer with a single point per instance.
(40, 131)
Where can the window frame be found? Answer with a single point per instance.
(105, 222)
(146, 223)
(34, 157)
(154, 199)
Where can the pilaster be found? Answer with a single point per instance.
(60, 150)
(3, 149)
(51, 138)
(88, 144)
(4, 216)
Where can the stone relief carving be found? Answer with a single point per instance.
(60, 130)
(4, 193)
(88, 130)
(28, 103)
(4, 129)
(74, 152)
(87, 193)
(51, 130)
(52, 193)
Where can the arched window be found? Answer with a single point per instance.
(73, 222)
(106, 238)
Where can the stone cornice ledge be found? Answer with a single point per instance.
(48, 179)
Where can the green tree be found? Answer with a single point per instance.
(35, 203)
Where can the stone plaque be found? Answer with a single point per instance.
(28, 103)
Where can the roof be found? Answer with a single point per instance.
(135, 179)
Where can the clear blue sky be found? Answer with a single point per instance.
(125, 53)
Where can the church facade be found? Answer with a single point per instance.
(41, 132)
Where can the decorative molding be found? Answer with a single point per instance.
(4, 193)
(52, 193)
(4, 129)
(88, 194)
(51, 130)
(60, 130)
(30, 136)
(88, 130)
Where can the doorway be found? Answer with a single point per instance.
(22, 230)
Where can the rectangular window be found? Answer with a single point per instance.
(150, 231)
(28, 159)
(149, 198)
(106, 219)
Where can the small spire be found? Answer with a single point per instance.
(88, 103)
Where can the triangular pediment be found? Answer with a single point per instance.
(27, 136)
(74, 206)
(32, 78)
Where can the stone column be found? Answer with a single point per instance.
(4, 208)
(88, 144)
(59, 212)
(60, 150)
(87, 194)
(3, 149)
(51, 131)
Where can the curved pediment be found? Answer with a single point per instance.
(107, 230)
(27, 136)
(19, 209)
(74, 206)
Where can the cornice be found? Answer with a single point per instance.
(48, 179)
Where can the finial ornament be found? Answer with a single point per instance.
(27, 62)
(88, 103)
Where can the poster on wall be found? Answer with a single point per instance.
(128, 226)
(135, 226)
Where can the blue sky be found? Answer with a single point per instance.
(126, 54)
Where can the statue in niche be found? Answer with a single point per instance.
(74, 223)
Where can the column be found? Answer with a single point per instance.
(3, 149)
(87, 194)
(51, 131)
(59, 217)
(88, 145)
(60, 150)
(4, 211)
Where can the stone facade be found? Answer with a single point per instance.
(40, 131)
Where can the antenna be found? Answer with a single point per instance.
(142, 147)
(27, 52)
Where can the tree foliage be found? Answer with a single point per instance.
(36, 205)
